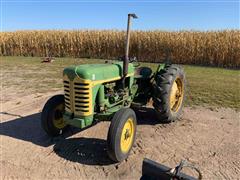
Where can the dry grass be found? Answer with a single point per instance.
(216, 48)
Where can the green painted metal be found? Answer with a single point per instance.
(160, 67)
(78, 121)
(101, 73)
(97, 72)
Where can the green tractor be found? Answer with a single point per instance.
(98, 92)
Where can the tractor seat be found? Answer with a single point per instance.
(143, 72)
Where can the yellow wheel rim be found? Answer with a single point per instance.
(176, 95)
(127, 135)
(58, 121)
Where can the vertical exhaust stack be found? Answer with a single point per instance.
(126, 58)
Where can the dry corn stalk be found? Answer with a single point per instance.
(217, 48)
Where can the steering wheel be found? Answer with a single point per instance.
(134, 61)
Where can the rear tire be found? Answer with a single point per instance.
(121, 134)
(169, 93)
(52, 116)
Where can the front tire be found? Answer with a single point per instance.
(52, 116)
(169, 93)
(121, 134)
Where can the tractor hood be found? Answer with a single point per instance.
(96, 72)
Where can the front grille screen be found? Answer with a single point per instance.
(77, 96)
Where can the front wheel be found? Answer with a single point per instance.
(52, 116)
(121, 134)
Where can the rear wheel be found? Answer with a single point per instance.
(52, 116)
(169, 93)
(121, 134)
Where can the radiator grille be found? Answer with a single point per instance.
(78, 95)
(82, 93)
(67, 94)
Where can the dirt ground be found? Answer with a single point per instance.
(208, 138)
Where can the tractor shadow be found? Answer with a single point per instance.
(146, 116)
(93, 151)
(88, 151)
(29, 129)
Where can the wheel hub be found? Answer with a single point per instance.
(176, 95)
(127, 135)
(58, 121)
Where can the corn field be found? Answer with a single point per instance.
(213, 48)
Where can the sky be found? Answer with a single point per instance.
(169, 15)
